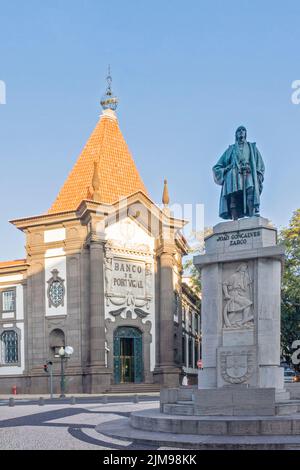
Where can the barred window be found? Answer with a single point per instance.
(8, 301)
(9, 347)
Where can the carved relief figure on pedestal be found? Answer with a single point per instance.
(237, 302)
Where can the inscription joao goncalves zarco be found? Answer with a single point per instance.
(239, 238)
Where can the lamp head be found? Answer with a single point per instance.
(69, 350)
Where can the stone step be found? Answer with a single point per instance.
(153, 420)
(182, 407)
(282, 395)
(288, 407)
(175, 409)
(293, 389)
(185, 393)
(121, 429)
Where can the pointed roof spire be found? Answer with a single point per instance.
(109, 101)
(105, 170)
(165, 196)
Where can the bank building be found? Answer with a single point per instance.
(102, 274)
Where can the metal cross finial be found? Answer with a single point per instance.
(109, 79)
(109, 101)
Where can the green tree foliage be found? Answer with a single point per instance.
(290, 308)
(189, 268)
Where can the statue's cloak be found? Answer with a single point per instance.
(226, 174)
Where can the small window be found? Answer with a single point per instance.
(9, 347)
(8, 300)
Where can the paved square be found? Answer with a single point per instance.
(28, 426)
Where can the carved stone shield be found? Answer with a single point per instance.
(237, 366)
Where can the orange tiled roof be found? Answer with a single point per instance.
(118, 174)
(15, 262)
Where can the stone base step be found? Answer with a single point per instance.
(176, 409)
(293, 389)
(154, 421)
(282, 395)
(121, 429)
(289, 407)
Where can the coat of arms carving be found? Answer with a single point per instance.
(237, 366)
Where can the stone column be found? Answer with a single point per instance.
(99, 375)
(97, 328)
(167, 373)
(166, 310)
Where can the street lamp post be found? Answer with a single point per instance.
(64, 353)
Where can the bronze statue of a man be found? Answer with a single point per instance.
(240, 172)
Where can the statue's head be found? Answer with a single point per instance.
(241, 134)
(242, 267)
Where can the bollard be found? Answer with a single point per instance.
(136, 399)
(11, 402)
(73, 401)
(41, 401)
(104, 400)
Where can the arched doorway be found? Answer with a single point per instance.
(128, 355)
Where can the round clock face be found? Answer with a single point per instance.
(56, 293)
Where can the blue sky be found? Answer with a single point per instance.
(187, 74)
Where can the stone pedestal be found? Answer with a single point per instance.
(241, 276)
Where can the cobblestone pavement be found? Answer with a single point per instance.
(64, 426)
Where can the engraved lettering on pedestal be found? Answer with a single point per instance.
(237, 299)
(237, 367)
